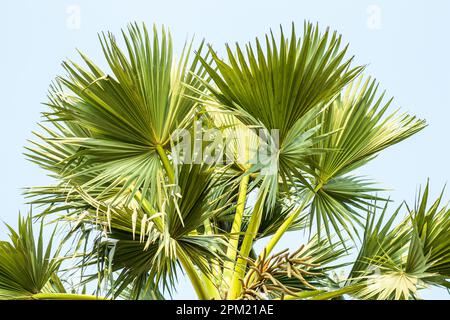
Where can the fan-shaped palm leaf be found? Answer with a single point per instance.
(140, 244)
(362, 130)
(126, 118)
(28, 269)
(394, 263)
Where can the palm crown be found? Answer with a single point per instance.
(134, 210)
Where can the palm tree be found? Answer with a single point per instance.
(134, 208)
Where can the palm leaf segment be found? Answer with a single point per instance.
(26, 267)
(395, 262)
(109, 147)
(29, 268)
(295, 87)
(431, 226)
(144, 249)
(361, 130)
(276, 88)
(120, 124)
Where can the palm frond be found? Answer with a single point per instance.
(121, 118)
(432, 225)
(26, 266)
(137, 246)
(277, 88)
(361, 129)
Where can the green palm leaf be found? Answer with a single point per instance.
(432, 225)
(276, 88)
(123, 118)
(26, 266)
(361, 130)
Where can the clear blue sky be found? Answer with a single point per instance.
(405, 44)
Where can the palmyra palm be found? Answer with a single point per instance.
(133, 213)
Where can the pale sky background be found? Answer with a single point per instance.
(405, 44)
